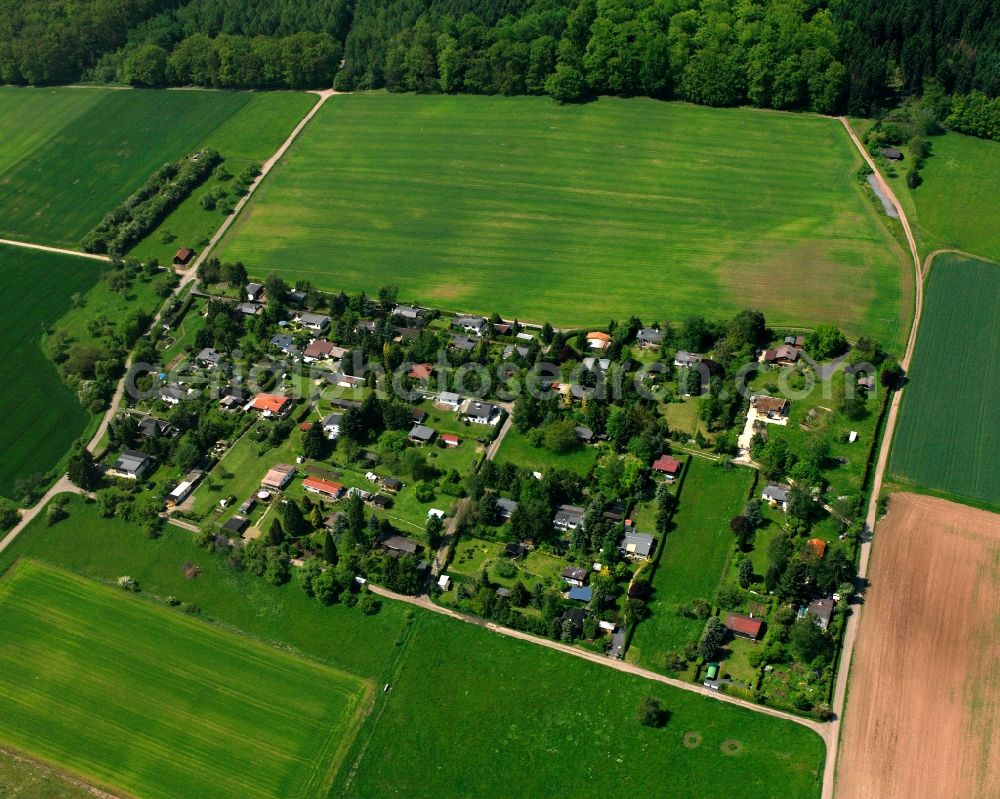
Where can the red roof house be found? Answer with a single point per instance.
(421, 371)
(450, 440)
(818, 546)
(183, 256)
(325, 488)
(667, 465)
(744, 626)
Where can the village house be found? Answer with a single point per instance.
(284, 343)
(770, 409)
(574, 575)
(250, 308)
(209, 358)
(506, 507)
(408, 312)
(649, 338)
(470, 324)
(174, 393)
(421, 434)
(668, 466)
(325, 488)
(744, 626)
(462, 343)
(183, 256)
(233, 399)
(568, 517)
(483, 413)
(822, 612)
(272, 406)
(318, 350)
(597, 340)
(391, 484)
(580, 593)
(636, 546)
(776, 495)
(420, 371)
(331, 425)
(576, 618)
(297, 298)
(583, 434)
(184, 488)
(345, 381)
(450, 440)
(132, 465)
(818, 546)
(278, 476)
(450, 399)
(596, 364)
(398, 545)
(892, 153)
(514, 349)
(683, 359)
(151, 427)
(782, 355)
(235, 525)
(254, 292)
(315, 322)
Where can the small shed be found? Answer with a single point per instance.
(183, 256)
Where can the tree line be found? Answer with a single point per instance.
(819, 55)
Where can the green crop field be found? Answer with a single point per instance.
(521, 721)
(948, 436)
(42, 417)
(450, 715)
(70, 155)
(134, 695)
(580, 213)
(694, 556)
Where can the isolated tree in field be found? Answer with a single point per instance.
(745, 573)
(314, 442)
(651, 712)
(712, 640)
(82, 471)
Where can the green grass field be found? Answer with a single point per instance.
(134, 695)
(447, 679)
(525, 207)
(70, 155)
(42, 417)
(517, 449)
(522, 721)
(693, 559)
(955, 207)
(948, 436)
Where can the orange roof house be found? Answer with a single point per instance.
(597, 340)
(421, 371)
(278, 405)
(818, 546)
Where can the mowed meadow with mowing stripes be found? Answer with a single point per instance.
(142, 699)
(948, 438)
(575, 214)
(71, 155)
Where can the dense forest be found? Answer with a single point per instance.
(825, 55)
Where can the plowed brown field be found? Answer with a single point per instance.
(923, 714)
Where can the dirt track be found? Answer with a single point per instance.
(924, 706)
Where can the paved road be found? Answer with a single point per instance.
(59, 250)
(851, 631)
(602, 660)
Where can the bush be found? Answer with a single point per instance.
(126, 583)
(651, 713)
(506, 569)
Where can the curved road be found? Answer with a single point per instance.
(851, 631)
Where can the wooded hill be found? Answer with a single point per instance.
(822, 55)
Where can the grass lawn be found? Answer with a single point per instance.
(521, 721)
(70, 155)
(517, 449)
(955, 206)
(127, 693)
(536, 204)
(948, 436)
(693, 558)
(42, 416)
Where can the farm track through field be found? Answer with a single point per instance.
(851, 631)
(57, 250)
